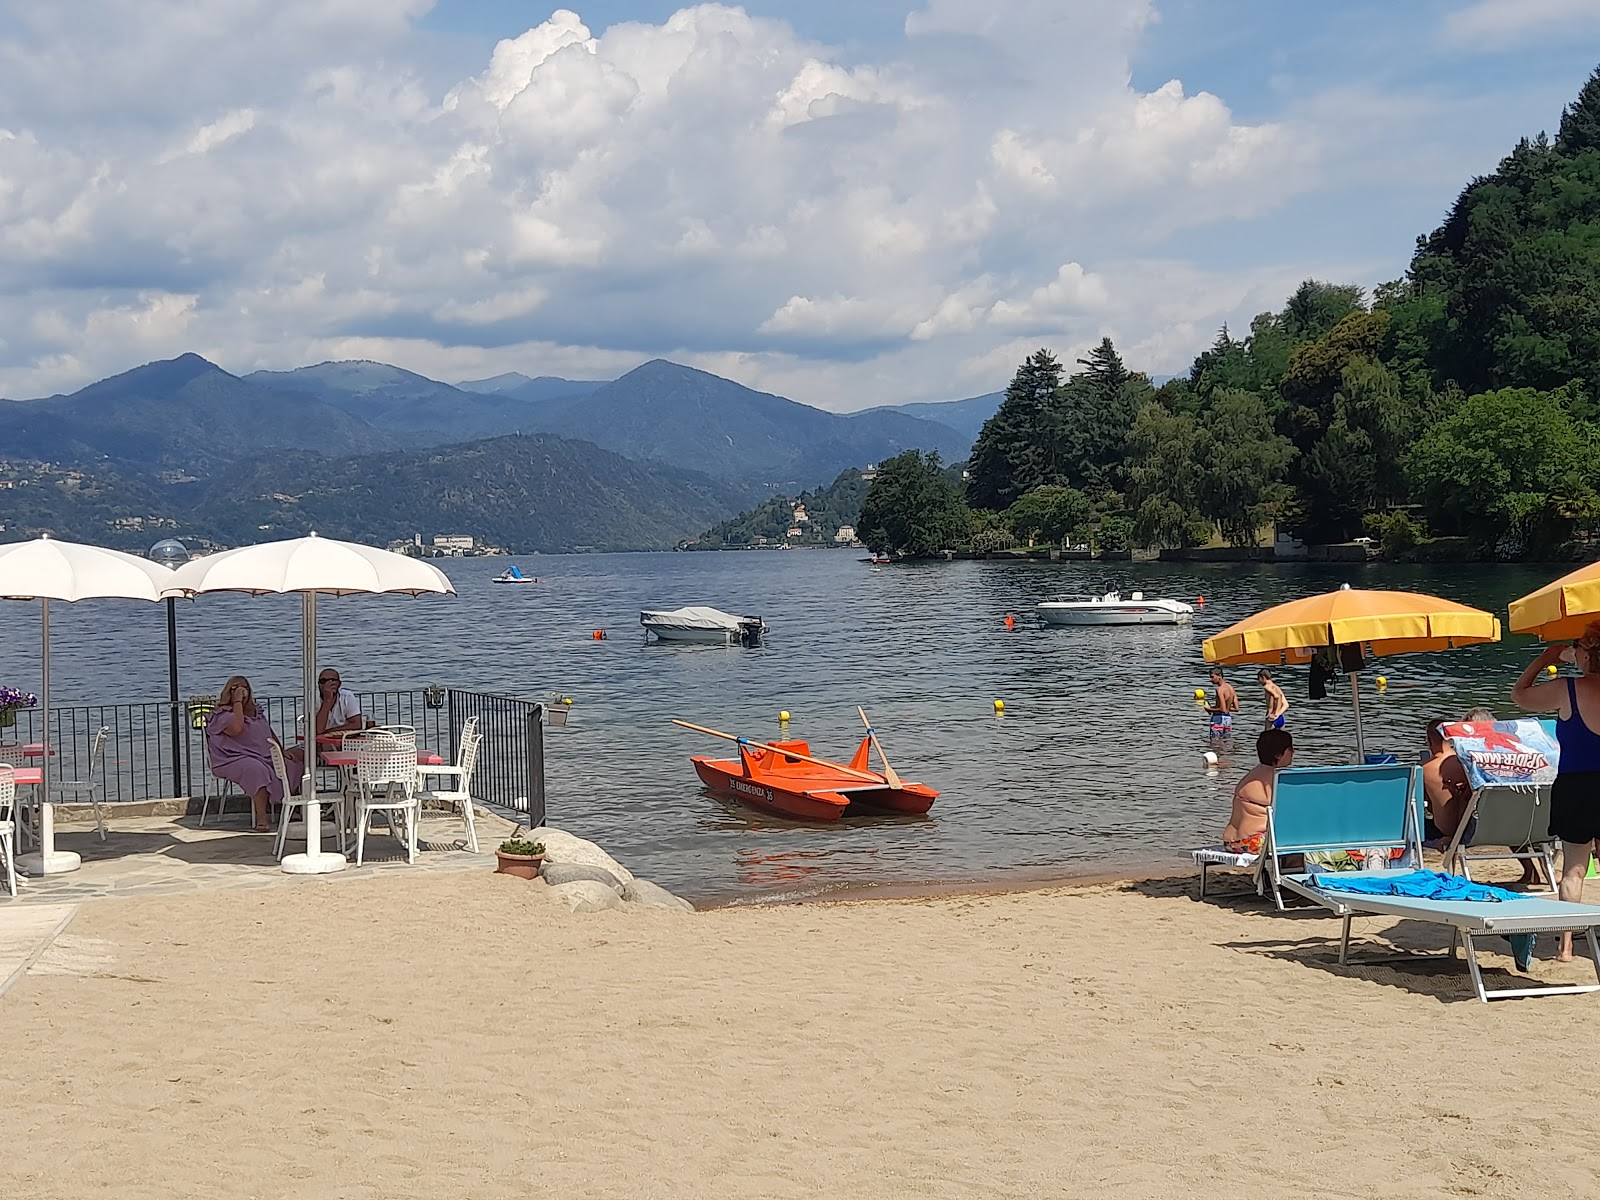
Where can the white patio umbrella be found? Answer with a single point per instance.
(309, 566)
(44, 570)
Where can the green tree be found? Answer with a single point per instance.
(1015, 450)
(1097, 410)
(1164, 467)
(1242, 466)
(1050, 514)
(1580, 120)
(914, 508)
(1317, 307)
(1504, 468)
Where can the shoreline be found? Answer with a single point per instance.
(1016, 882)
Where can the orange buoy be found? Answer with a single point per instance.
(1202, 600)
(1011, 622)
(599, 635)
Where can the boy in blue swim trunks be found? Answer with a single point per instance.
(1226, 705)
(1277, 702)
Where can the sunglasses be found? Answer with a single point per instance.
(330, 679)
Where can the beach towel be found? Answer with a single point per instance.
(1419, 885)
(1521, 753)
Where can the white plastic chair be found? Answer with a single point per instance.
(461, 794)
(228, 790)
(469, 729)
(386, 782)
(310, 810)
(8, 800)
(91, 786)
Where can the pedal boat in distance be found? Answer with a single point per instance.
(808, 791)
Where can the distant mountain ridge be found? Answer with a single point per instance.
(542, 387)
(666, 412)
(528, 493)
(182, 413)
(645, 460)
(966, 417)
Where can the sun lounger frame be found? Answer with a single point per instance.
(1462, 850)
(1385, 791)
(1538, 915)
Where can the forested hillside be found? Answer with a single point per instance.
(1459, 401)
(818, 515)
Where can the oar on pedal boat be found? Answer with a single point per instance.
(889, 776)
(821, 762)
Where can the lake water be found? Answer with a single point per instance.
(1095, 765)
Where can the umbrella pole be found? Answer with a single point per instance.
(1355, 702)
(48, 860)
(313, 861)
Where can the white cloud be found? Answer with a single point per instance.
(273, 182)
(1492, 24)
(1071, 292)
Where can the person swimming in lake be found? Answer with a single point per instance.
(1277, 702)
(1226, 705)
(1252, 795)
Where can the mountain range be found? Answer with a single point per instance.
(378, 452)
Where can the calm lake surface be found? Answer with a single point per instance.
(1095, 765)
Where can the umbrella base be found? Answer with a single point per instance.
(312, 864)
(57, 862)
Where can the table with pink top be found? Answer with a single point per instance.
(348, 758)
(27, 749)
(27, 776)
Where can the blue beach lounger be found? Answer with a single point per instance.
(1330, 810)
(1466, 919)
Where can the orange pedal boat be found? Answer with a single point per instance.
(768, 776)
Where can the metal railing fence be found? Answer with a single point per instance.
(137, 763)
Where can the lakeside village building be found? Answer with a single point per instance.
(446, 545)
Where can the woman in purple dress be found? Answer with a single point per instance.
(239, 739)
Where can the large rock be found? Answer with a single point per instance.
(652, 895)
(563, 847)
(557, 873)
(586, 895)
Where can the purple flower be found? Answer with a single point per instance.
(10, 697)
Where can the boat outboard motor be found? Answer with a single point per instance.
(750, 630)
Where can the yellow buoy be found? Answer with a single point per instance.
(1551, 669)
(999, 706)
(1199, 693)
(1382, 681)
(784, 716)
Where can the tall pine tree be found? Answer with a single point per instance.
(1015, 452)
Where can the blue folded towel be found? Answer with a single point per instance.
(1420, 885)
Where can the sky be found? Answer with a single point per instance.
(847, 202)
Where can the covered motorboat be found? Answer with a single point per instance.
(1112, 608)
(706, 625)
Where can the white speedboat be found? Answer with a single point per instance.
(1113, 608)
(707, 625)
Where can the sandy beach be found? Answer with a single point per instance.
(459, 1035)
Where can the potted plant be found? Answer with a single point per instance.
(200, 708)
(519, 857)
(10, 700)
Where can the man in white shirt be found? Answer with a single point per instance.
(338, 711)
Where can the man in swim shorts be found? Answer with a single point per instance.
(1227, 703)
(1277, 702)
(1252, 796)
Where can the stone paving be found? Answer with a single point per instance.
(154, 856)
